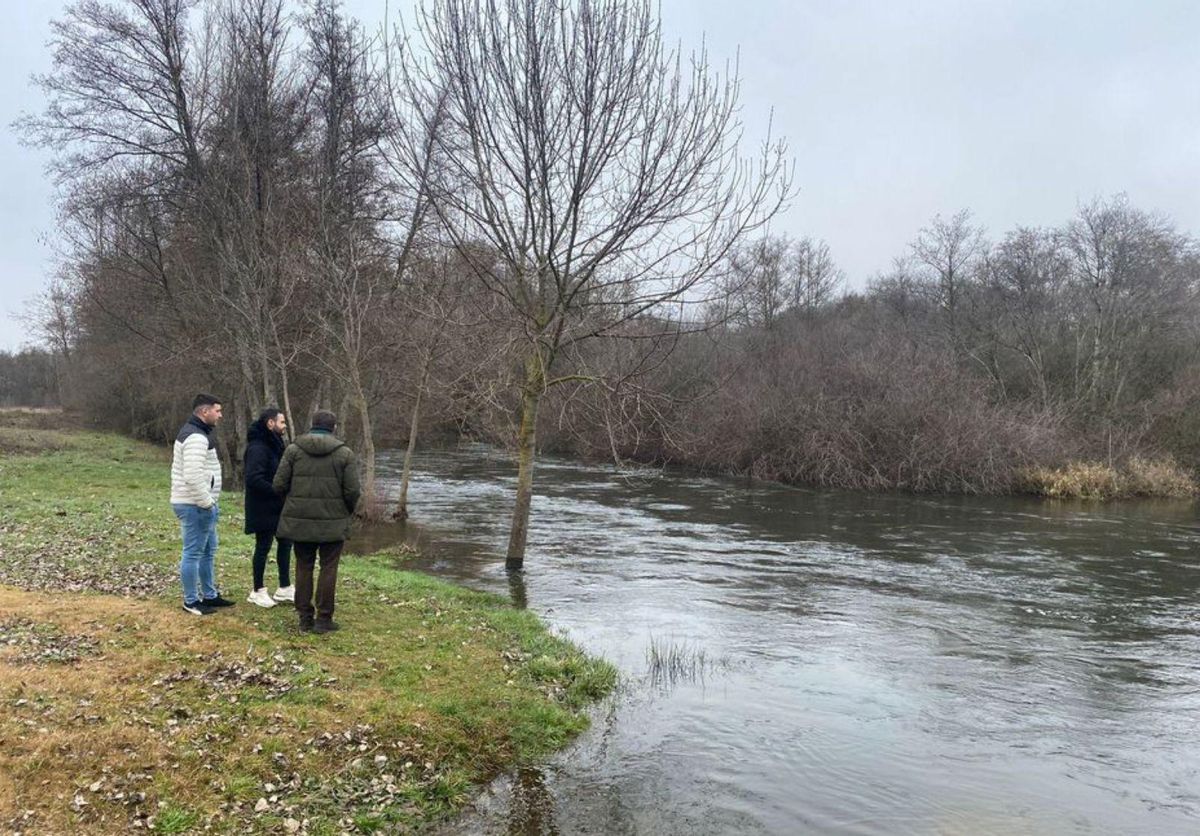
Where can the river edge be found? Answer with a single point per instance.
(122, 714)
(1077, 485)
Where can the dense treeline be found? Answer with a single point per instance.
(269, 203)
(28, 378)
(965, 368)
(264, 201)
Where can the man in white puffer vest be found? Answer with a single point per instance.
(195, 491)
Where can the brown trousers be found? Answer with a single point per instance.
(306, 558)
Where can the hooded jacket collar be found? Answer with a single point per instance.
(319, 444)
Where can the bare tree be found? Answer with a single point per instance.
(816, 275)
(599, 167)
(126, 105)
(949, 249)
(130, 87)
(443, 331)
(177, 125)
(350, 257)
(256, 198)
(1137, 279)
(1025, 281)
(51, 318)
(758, 284)
(775, 274)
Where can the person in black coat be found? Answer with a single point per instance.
(264, 447)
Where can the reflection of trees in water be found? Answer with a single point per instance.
(531, 810)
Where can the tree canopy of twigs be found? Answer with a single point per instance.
(601, 171)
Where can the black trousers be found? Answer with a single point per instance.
(283, 555)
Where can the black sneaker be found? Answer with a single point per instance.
(198, 608)
(306, 625)
(325, 625)
(217, 602)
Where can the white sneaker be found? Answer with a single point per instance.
(261, 598)
(284, 593)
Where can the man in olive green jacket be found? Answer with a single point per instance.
(318, 478)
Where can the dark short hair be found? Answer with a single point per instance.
(323, 419)
(204, 400)
(269, 414)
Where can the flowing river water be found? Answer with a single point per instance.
(841, 663)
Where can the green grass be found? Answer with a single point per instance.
(175, 820)
(188, 723)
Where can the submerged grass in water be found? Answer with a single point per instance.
(670, 662)
(120, 712)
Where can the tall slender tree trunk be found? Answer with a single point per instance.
(264, 366)
(401, 512)
(318, 402)
(287, 400)
(241, 424)
(367, 506)
(531, 396)
(343, 414)
(226, 451)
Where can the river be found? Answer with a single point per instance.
(800, 661)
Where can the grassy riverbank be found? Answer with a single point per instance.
(120, 712)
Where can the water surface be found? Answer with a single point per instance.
(857, 664)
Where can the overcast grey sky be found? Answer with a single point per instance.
(895, 110)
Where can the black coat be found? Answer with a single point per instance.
(263, 451)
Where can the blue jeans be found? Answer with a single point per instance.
(199, 527)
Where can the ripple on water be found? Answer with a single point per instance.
(888, 664)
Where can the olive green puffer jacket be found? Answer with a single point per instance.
(318, 478)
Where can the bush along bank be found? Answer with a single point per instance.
(120, 713)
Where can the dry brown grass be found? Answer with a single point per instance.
(27, 431)
(1158, 478)
(66, 726)
(1076, 480)
(21, 440)
(1139, 477)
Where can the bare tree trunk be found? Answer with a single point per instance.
(240, 426)
(285, 390)
(367, 506)
(318, 402)
(287, 405)
(227, 452)
(243, 358)
(401, 512)
(531, 396)
(264, 365)
(343, 416)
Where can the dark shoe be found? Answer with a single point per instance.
(325, 625)
(217, 602)
(198, 608)
(306, 625)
